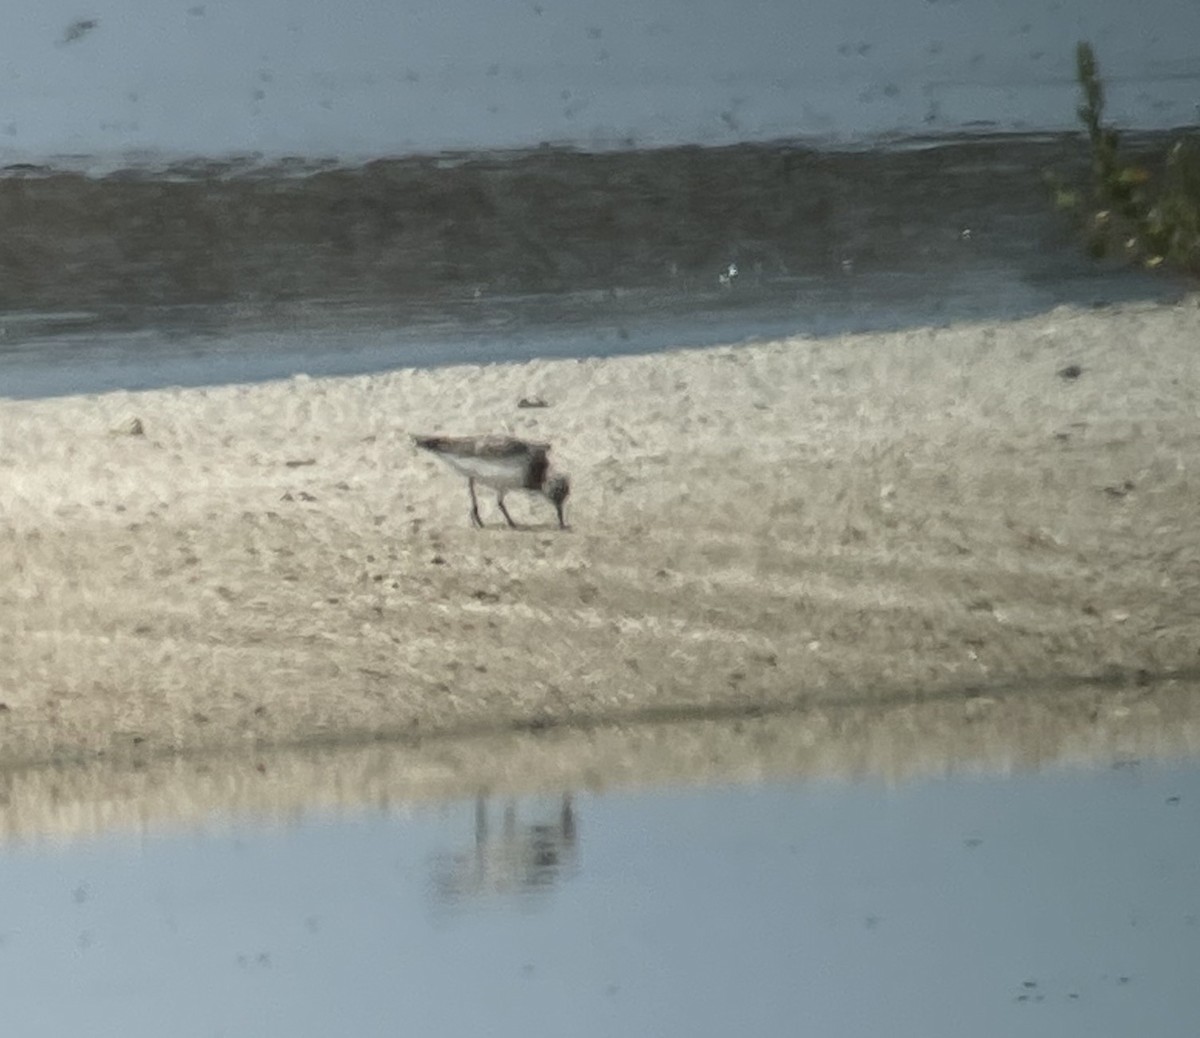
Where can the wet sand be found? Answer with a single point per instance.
(866, 521)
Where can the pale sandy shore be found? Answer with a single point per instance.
(863, 522)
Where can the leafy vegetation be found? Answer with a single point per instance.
(1151, 215)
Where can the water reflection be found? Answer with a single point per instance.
(895, 742)
(1063, 902)
(995, 865)
(518, 858)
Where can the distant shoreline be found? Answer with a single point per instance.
(426, 229)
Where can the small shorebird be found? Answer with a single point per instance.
(503, 463)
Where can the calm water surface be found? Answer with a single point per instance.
(1060, 903)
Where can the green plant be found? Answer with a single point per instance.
(1153, 219)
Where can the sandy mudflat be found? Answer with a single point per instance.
(866, 520)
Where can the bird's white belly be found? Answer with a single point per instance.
(499, 473)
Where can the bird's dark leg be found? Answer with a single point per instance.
(500, 502)
(475, 520)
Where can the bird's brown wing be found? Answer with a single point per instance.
(480, 446)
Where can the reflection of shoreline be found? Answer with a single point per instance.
(1087, 726)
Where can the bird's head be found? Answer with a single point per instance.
(557, 489)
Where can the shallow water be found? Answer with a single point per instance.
(573, 326)
(1064, 902)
